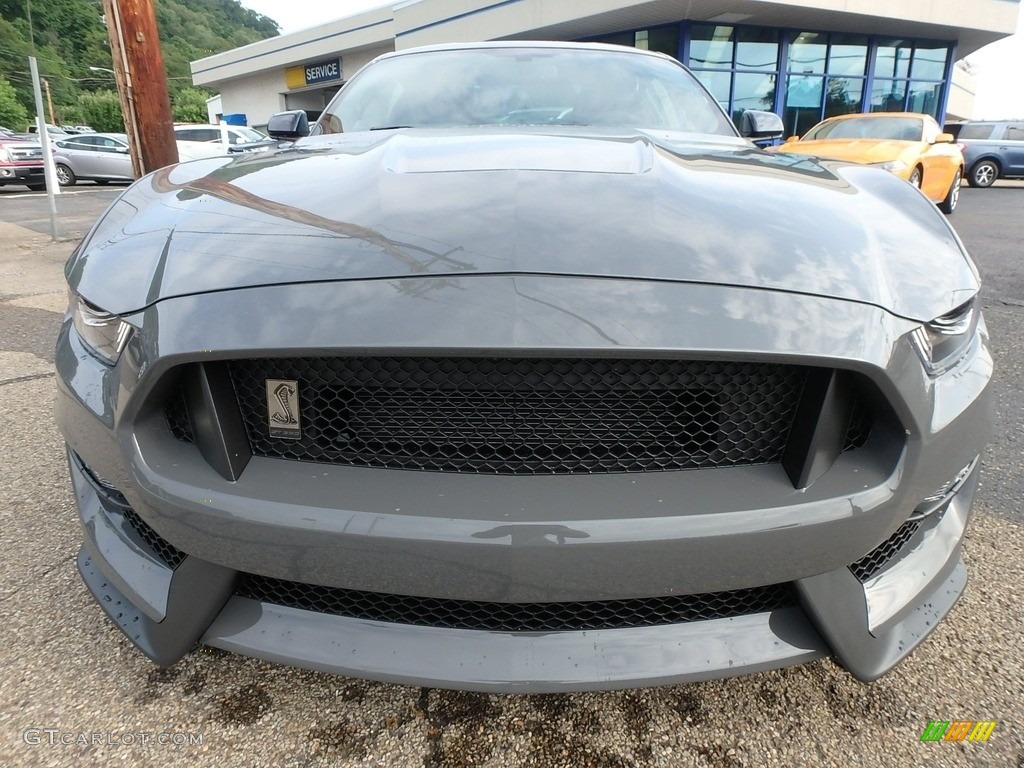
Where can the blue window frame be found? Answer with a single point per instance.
(804, 75)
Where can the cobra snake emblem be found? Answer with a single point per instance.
(283, 392)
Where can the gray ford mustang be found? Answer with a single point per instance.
(524, 371)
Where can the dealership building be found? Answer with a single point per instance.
(804, 59)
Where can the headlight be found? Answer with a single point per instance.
(944, 341)
(103, 333)
(893, 166)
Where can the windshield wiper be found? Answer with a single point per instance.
(389, 127)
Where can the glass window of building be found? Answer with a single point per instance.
(924, 98)
(805, 83)
(804, 95)
(888, 95)
(843, 95)
(909, 76)
(711, 47)
(847, 65)
(848, 55)
(819, 74)
(807, 53)
(929, 61)
(752, 90)
(739, 65)
(892, 58)
(826, 77)
(757, 48)
(661, 39)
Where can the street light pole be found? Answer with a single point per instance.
(49, 169)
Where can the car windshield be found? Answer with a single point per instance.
(524, 86)
(891, 128)
(250, 134)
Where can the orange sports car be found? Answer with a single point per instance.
(910, 145)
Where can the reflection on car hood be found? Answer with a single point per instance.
(397, 204)
(852, 150)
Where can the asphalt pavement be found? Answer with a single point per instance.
(73, 691)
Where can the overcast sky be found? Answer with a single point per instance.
(999, 68)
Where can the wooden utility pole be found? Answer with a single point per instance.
(141, 83)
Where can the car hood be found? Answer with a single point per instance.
(406, 204)
(851, 150)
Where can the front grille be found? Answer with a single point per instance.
(171, 556)
(22, 155)
(177, 416)
(113, 498)
(875, 560)
(524, 416)
(515, 617)
(859, 428)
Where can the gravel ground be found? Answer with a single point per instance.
(73, 690)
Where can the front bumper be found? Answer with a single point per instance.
(548, 539)
(22, 174)
(167, 610)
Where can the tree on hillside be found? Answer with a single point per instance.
(70, 37)
(12, 114)
(189, 105)
(102, 110)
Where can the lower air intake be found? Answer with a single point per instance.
(515, 617)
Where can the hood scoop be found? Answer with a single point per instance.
(628, 156)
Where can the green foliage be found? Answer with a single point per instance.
(12, 114)
(70, 37)
(101, 110)
(188, 105)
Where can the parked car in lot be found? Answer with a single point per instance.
(908, 144)
(55, 131)
(99, 157)
(104, 157)
(992, 149)
(236, 135)
(525, 370)
(21, 162)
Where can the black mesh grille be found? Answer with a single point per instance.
(168, 553)
(515, 617)
(875, 560)
(109, 493)
(525, 416)
(861, 422)
(177, 416)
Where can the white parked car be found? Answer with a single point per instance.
(236, 134)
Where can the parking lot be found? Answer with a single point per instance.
(74, 691)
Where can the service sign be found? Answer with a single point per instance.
(323, 71)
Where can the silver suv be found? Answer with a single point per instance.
(993, 149)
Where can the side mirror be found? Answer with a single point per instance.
(122, 150)
(288, 126)
(758, 125)
(791, 139)
(945, 138)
